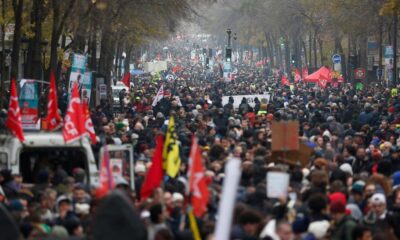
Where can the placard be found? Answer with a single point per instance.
(285, 136)
(277, 184)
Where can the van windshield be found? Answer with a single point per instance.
(33, 160)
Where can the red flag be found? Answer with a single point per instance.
(285, 81)
(53, 117)
(297, 77)
(106, 177)
(156, 173)
(197, 182)
(74, 121)
(322, 81)
(126, 79)
(88, 123)
(13, 121)
(304, 72)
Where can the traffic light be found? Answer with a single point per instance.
(207, 63)
(293, 59)
(228, 54)
(210, 52)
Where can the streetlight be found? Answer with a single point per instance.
(229, 32)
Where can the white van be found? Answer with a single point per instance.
(44, 149)
(115, 93)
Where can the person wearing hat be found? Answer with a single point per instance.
(343, 224)
(378, 205)
(64, 207)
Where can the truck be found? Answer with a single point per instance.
(46, 150)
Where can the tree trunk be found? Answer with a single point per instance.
(271, 52)
(106, 57)
(279, 54)
(380, 42)
(57, 28)
(117, 61)
(34, 65)
(339, 50)
(18, 6)
(93, 48)
(321, 52)
(128, 58)
(287, 56)
(306, 59)
(3, 54)
(310, 46)
(395, 21)
(315, 50)
(363, 51)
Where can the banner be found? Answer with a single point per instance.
(28, 103)
(155, 66)
(237, 99)
(78, 69)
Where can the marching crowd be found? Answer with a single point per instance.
(349, 189)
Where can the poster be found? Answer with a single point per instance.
(277, 184)
(28, 103)
(116, 166)
(78, 69)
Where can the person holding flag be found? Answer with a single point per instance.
(172, 159)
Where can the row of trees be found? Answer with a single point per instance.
(309, 31)
(101, 28)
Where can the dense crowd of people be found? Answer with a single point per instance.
(349, 189)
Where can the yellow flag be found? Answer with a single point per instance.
(172, 160)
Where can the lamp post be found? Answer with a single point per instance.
(229, 32)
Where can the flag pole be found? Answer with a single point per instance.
(193, 224)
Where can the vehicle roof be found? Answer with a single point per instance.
(50, 139)
(43, 139)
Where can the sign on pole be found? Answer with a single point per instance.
(359, 73)
(336, 59)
